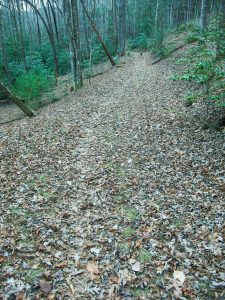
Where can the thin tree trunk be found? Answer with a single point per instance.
(203, 16)
(135, 11)
(4, 53)
(122, 26)
(93, 24)
(38, 31)
(156, 15)
(76, 42)
(20, 35)
(115, 24)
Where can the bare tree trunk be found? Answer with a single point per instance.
(203, 16)
(115, 24)
(2, 46)
(76, 42)
(135, 12)
(156, 15)
(20, 35)
(93, 24)
(122, 26)
(67, 17)
(71, 21)
(52, 8)
(18, 101)
(38, 31)
(220, 49)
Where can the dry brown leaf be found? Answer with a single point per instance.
(113, 279)
(51, 297)
(93, 268)
(2, 259)
(138, 244)
(62, 265)
(20, 296)
(45, 287)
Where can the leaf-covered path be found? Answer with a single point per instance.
(113, 193)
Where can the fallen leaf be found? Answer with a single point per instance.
(20, 296)
(45, 287)
(2, 259)
(178, 281)
(179, 277)
(61, 265)
(51, 297)
(111, 292)
(136, 267)
(70, 285)
(113, 279)
(92, 268)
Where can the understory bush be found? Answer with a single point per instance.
(31, 85)
(141, 42)
(205, 66)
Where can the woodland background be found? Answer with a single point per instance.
(43, 40)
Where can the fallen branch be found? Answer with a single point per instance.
(18, 101)
(95, 75)
(172, 51)
(10, 121)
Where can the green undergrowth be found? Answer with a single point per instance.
(203, 64)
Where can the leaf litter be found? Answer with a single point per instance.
(113, 193)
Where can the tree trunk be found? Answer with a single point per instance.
(156, 15)
(220, 49)
(122, 26)
(18, 101)
(20, 35)
(93, 24)
(3, 48)
(76, 43)
(203, 16)
(115, 24)
(73, 43)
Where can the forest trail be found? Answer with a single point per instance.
(113, 193)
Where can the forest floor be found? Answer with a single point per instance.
(114, 192)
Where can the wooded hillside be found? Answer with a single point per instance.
(42, 40)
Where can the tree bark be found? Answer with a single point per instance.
(71, 20)
(76, 43)
(122, 26)
(203, 16)
(18, 101)
(20, 36)
(115, 24)
(3, 48)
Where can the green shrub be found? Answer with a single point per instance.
(187, 27)
(190, 99)
(192, 37)
(64, 62)
(30, 86)
(140, 42)
(206, 66)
